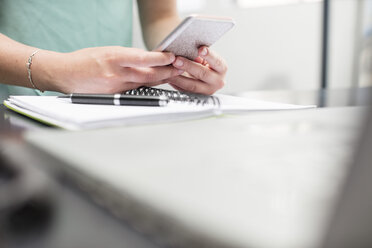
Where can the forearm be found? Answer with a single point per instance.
(13, 69)
(158, 18)
(110, 69)
(155, 32)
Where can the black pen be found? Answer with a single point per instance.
(116, 99)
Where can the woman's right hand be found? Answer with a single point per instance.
(102, 69)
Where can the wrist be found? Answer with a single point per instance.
(47, 71)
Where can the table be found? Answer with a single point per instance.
(321, 98)
(78, 216)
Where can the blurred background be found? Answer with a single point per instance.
(277, 44)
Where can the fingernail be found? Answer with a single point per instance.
(204, 51)
(178, 62)
(181, 71)
(172, 57)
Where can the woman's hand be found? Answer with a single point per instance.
(104, 70)
(205, 75)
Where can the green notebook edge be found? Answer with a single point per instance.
(30, 116)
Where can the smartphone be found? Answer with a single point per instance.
(195, 31)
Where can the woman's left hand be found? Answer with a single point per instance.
(205, 75)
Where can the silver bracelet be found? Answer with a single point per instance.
(28, 64)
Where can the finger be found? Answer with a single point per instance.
(215, 61)
(176, 87)
(150, 74)
(201, 61)
(127, 86)
(192, 85)
(131, 57)
(198, 71)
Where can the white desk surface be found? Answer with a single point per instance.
(263, 179)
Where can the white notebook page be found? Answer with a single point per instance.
(78, 116)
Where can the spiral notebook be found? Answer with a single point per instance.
(181, 106)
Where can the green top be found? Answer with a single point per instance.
(64, 26)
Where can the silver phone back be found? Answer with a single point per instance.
(192, 33)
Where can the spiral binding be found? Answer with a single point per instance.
(175, 96)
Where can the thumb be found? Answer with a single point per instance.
(132, 57)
